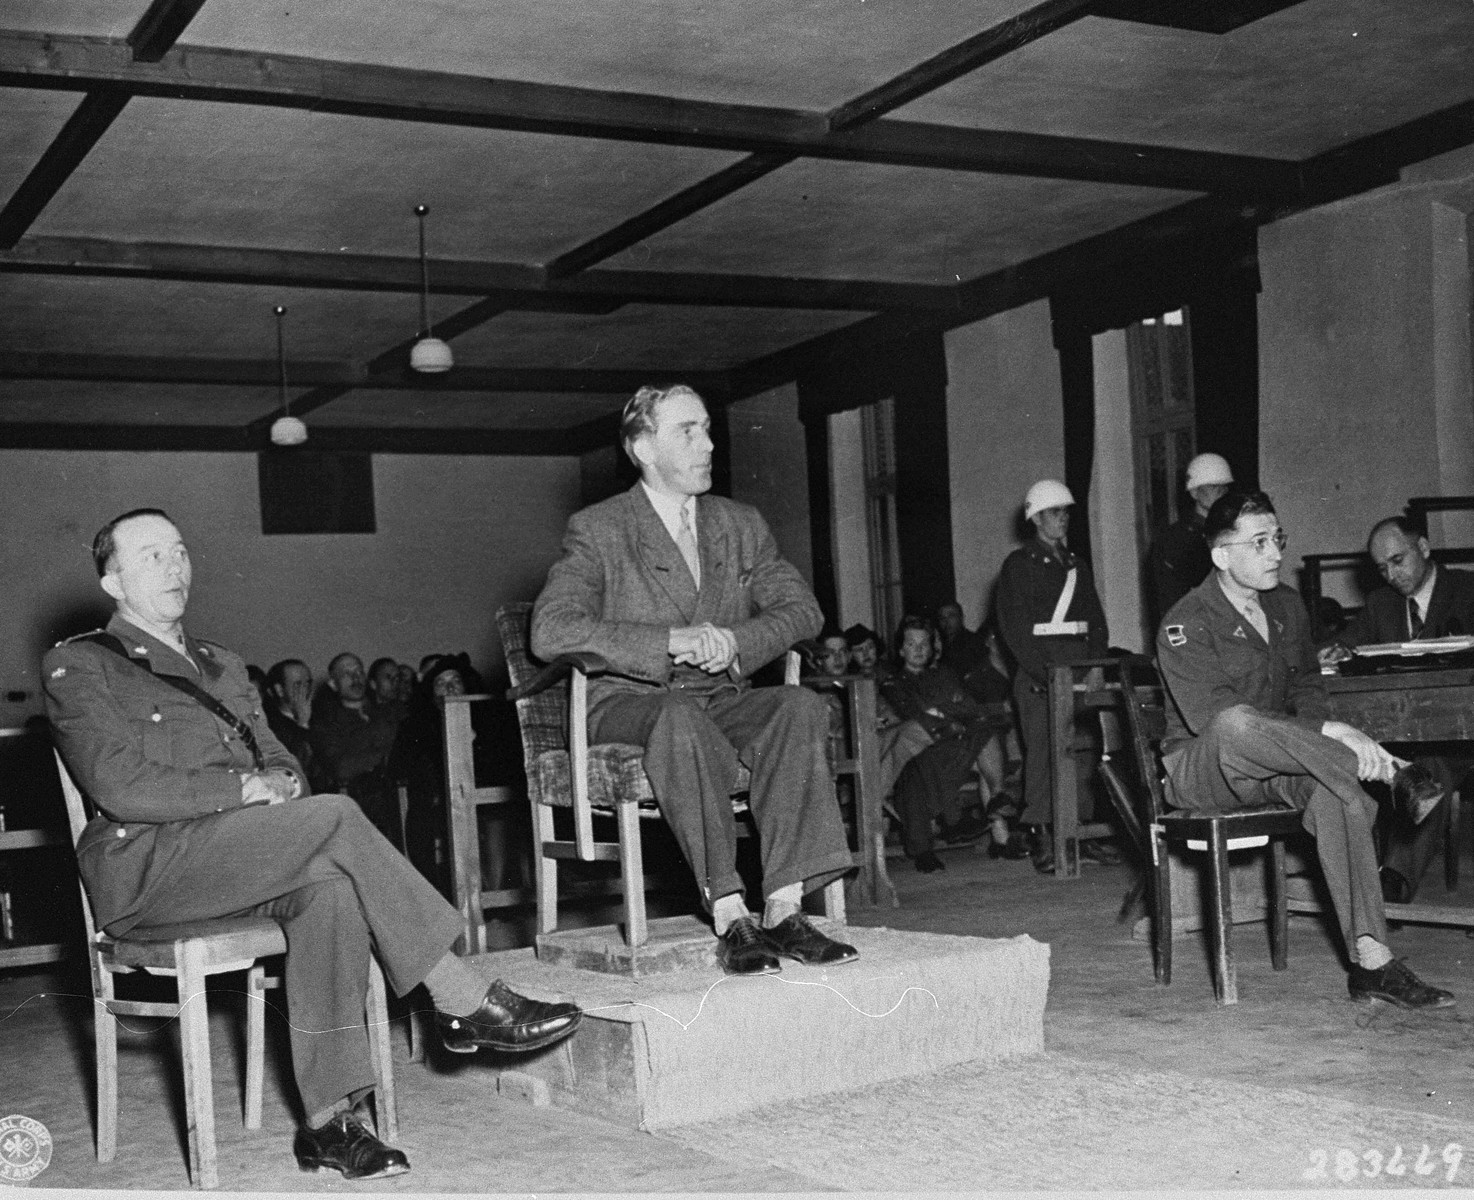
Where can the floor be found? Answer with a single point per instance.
(1294, 1086)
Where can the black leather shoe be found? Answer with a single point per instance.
(1043, 851)
(745, 950)
(1093, 850)
(1395, 887)
(345, 1144)
(927, 862)
(967, 829)
(1016, 847)
(506, 1021)
(1397, 985)
(796, 937)
(1416, 790)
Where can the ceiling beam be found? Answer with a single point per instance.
(514, 284)
(159, 28)
(35, 435)
(1378, 159)
(240, 372)
(88, 122)
(955, 61)
(366, 90)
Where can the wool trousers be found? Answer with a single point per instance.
(1244, 758)
(693, 745)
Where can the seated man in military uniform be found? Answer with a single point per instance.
(202, 813)
(1249, 727)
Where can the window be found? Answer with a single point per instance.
(1159, 362)
(878, 441)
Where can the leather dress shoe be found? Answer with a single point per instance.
(1395, 887)
(967, 829)
(1416, 790)
(1397, 985)
(1102, 852)
(1016, 847)
(796, 937)
(745, 950)
(345, 1144)
(927, 862)
(506, 1021)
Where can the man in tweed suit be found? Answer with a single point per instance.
(683, 601)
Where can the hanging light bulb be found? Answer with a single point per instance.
(286, 430)
(429, 355)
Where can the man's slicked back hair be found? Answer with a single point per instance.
(1229, 507)
(105, 545)
(1408, 527)
(639, 413)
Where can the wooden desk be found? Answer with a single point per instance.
(26, 839)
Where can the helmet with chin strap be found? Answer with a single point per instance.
(1047, 493)
(1208, 469)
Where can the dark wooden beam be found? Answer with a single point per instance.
(366, 90)
(71, 145)
(1199, 16)
(17, 435)
(395, 376)
(1378, 159)
(159, 28)
(513, 284)
(668, 212)
(955, 61)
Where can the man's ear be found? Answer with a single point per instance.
(641, 450)
(332, 683)
(1424, 548)
(1219, 555)
(112, 585)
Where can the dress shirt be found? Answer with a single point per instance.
(668, 509)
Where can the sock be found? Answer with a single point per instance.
(1371, 954)
(318, 1119)
(782, 904)
(999, 829)
(726, 909)
(454, 987)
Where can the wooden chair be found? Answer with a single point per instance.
(564, 771)
(191, 952)
(1214, 833)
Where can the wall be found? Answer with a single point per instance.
(1115, 549)
(1005, 428)
(456, 537)
(1364, 360)
(848, 521)
(770, 469)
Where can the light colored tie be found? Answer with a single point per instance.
(686, 542)
(1255, 612)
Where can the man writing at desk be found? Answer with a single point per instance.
(1248, 727)
(1419, 600)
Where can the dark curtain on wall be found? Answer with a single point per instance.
(913, 371)
(1218, 282)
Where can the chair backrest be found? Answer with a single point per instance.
(1145, 700)
(79, 812)
(543, 718)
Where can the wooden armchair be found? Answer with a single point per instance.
(191, 953)
(564, 771)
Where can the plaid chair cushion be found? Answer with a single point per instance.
(616, 776)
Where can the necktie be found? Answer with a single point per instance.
(1414, 621)
(1255, 612)
(686, 542)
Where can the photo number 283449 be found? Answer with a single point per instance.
(1346, 1165)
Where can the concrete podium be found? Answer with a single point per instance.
(694, 1044)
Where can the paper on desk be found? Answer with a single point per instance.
(1443, 645)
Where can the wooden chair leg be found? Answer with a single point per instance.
(1162, 905)
(255, 1043)
(547, 870)
(1225, 976)
(194, 1033)
(376, 1013)
(1279, 914)
(1451, 842)
(105, 1037)
(632, 874)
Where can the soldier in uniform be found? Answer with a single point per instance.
(1248, 727)
(202, 813)
(1179, 560)
(1048, 613)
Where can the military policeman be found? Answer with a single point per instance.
(1048, 613)
(1248, 726)
(202, 813)
(1179, 560)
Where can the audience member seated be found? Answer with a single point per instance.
(258, 680)
(418, 761)
(383, 688)
(957, 729)
(867, 655)
(407, 681)
(1418, 600)
(289, 712)
(351, 741)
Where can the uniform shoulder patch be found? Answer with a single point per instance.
(1176, 635)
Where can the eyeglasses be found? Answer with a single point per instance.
(1261, 541)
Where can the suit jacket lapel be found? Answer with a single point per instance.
(713, 544)
(1435, 621)
(660, 556)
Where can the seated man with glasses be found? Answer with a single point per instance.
(1248, 728)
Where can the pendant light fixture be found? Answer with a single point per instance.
(286, 430)
(430, 355)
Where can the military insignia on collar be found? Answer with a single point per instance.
(58, 673)
(1238, 631)
(1175, 635)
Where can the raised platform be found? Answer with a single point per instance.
(695, 1044)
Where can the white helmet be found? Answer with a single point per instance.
(1206, 469)
(1047, 493)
